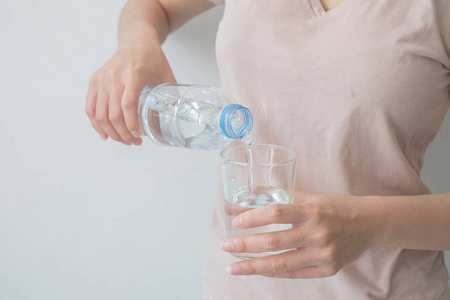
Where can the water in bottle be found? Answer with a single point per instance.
(192, 116)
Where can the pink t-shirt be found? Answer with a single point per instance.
(359, 92)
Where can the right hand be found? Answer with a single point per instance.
(113, 95)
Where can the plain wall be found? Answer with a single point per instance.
(81, 218)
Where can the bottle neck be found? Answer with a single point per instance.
(236, 121)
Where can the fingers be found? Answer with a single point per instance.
(266, 242)
(116, 116)
(90, 111)
(277, 263)
(105, 110)
(271, 214)
(102, 116)
(130, 107)
(114, 90)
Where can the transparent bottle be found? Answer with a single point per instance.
(192, 116)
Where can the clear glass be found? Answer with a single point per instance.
(189, 116)
(272, 171)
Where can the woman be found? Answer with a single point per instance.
(359, 88)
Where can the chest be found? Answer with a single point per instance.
(368, 57)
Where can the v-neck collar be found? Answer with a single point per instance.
(318, 8)
(319, 11)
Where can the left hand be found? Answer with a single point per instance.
(328, 232)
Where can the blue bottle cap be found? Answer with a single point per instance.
(236, 121)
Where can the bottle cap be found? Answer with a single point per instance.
(236, 121)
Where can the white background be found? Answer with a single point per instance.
(81, 218)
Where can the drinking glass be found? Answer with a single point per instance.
(266, 177)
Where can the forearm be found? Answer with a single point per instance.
(411, 222)
(144, 20)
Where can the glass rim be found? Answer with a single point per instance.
(287, 149)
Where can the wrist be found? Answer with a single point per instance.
(378, 223)
(142, 37)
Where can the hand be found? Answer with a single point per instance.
(113, 96)
(328, 232)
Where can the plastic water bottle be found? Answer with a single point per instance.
(192, 116)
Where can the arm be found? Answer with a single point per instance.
(331, 230)
(113, 94)
(141, 18)
(412, 222)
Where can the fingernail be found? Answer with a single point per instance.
(237, 221)
(103, 137)
(126, 143)
(233, 270)
(135, 134)
(228, 246)
(139, 142)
